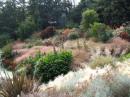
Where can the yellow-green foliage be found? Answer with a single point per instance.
(88, 18)
(125, 57)
(101, 61)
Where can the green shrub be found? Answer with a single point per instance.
(52, 65)
(125, 57)
(88, 18)
(7, 51)
(28, 65)
(46, 67)
(101, 61)
(26, 28)
(100, 31)
(4, 39)
(73, 35)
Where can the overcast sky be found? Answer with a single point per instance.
(77, 1)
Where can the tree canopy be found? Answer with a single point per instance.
(14, 12)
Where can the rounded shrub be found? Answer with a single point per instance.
(101, 31)
(52, 65)
(73, 35)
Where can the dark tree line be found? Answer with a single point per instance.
(22, 17)
(111, 12)
(114, 12)
(15, 12)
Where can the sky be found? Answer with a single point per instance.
(77, 1)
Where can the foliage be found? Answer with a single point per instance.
(89, 16)
(96, 85)
(28, 65)
(127, 28)
(73, 35)
(33, 42)
(46, 67)
(120, 82)
(71, 25)
(53, 65)
(14, 14)
(7, 51)
(49, 10)
(101, 31)
(12, 87)
(101, 61)
(76, 12)
(4, 39)
(103, 82)
(26, 28)
(117, 85)
(9, 64)
(98, 28)
(7, 16)
(125, 57)
(48, 32)
(113, 12)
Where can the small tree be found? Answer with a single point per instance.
(88, 18)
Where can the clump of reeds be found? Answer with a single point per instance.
(12, 86)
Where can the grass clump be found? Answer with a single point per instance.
(13, 86)
(101, 61)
